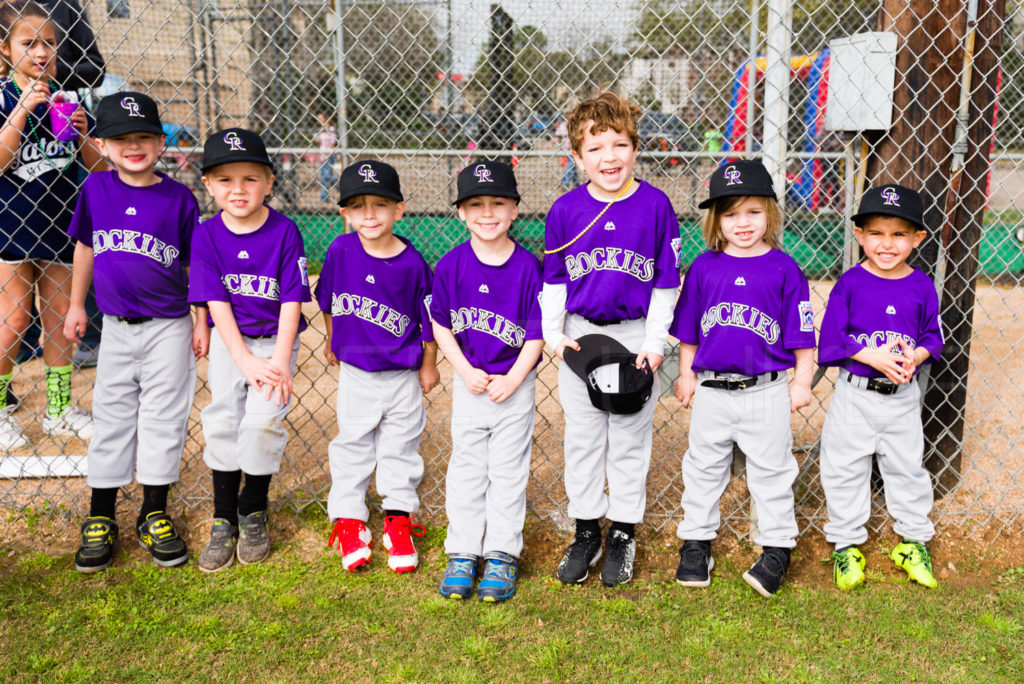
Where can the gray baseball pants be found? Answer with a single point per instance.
(485, 489)
(757, 420)
(602, 447)
(380, 420)
(145, 384)
(243, 430)
(859, 423)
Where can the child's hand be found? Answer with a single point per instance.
(914, 359)
(566, 342)
(653, 360)
(200, 338)
(476, 380)
(684, 388)
(75, 323)
(429, 377)
(282, 391)
(261, 374)
(80, 123)
(501, 388)
(332, 360)
(799, 396)
(35, 94)
(889, 360)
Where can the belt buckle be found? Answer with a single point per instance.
(739, 384)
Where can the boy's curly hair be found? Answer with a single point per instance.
(711, 224)
(607, 110)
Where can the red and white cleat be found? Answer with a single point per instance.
(398, 531)
(354, 540)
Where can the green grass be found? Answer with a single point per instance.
(294, 620)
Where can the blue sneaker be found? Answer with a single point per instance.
(457, 581)
(499, 579)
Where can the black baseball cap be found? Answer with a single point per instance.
(234, 145)
(891, 200)
(369, 177)
(609, 370)
(740, 178)
(491, 178)
(127, 112)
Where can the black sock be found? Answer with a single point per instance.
(225, 494)
(592, 526)
(104, 501)
(628, 528)
(254, 494)
(154, 498)
(388, 513)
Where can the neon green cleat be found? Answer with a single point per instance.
(913, 557)
(848, 568)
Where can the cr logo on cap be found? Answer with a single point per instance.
(891, 197)
(732, 174)
(483, 174)
(131, 106)
(368, 174)
(232, 139)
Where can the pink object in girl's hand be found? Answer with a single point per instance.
(62, 105)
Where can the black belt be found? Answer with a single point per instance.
(604, 324)
(737, 383)
(259, 337)
(134, 320)
(880, 385)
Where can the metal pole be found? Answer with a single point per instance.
(776, 92)
(755, 19)
(449, 85)
(341, 95)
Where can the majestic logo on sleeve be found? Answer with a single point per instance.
(248, 285)
(304, 271)
(368, 174)
(741, 316)
(233, 141)
(487, 322)
(890, 197)
(732, 175)
(369, 310)
(131, 106)
(610, 259)
(135, 242)
(483, 174)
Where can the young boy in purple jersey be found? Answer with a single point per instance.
(374, 290)
(133, 227)
(881, 325)
(609, 268)
(743, 319)
(249, 267)
(486, 315)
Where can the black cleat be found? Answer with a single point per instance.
(99, 537)
(581, 555)
(766, 574)
(695, 563)
(618, 560)
(158, 536)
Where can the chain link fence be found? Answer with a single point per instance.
(429, 86)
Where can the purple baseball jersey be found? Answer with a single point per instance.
(378, 306)
(491, 310)
(745, 314)
(141, 239)
(254, 272)
(610, 271)
(865, 310)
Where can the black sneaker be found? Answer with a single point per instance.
(766, 574)
(99, 537)
(581, 555)
(695, 563)
(158, 536)
(618, 561)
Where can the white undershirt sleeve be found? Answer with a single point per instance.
(552, 311)
(659, 317)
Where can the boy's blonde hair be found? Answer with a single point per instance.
(608, 111)
(711, 224)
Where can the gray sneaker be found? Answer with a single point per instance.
(253, 538)
(220, 552)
